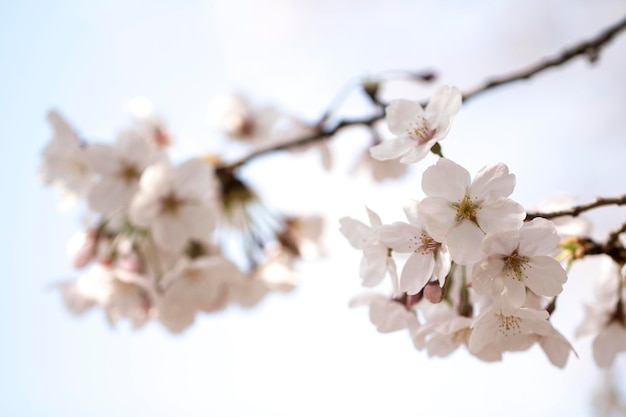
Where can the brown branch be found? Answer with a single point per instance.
(590, 48)
(576, 210)
(611, 246)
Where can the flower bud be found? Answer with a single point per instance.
(433, 292)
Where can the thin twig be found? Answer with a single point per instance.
(590, 48)
(576, 210)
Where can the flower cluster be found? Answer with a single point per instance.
(476, 273)
(156, 248)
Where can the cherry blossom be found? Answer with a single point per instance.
(520, 259)
(429, 259)
(509, 332)
(64, 165)
(119, 168)
(193, 285)
(606, 315)
(418, 129)
(121, 298)
(176, 203)
(458, 211)
(387, 314)
(376, 260)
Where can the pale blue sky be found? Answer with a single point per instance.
(296, 354)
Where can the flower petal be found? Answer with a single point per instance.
(464, 243)
(401, 113)
(437, 216)
(493, 181)
(416, 273)
(544, 276)
(392, 148)
(446, 179)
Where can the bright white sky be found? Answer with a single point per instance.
(305, 353)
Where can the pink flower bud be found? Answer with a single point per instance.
(433, 292)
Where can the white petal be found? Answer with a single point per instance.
(400, 113)
(556, 348)
(102, 158)
(608, 343)
(417, 153)
(357, 232)
(501, 243)
(194, 179)
(446, 179)
(392, 148)
(411, 208)
(501, 214)
(442, 265)
(538, 237)
(513, 296)
(483, 275)
(493, 181)
(437, 216)
(373, 264)
(544, 276)
(373, 217)
(169, 233)
(483, 332)
(464, 243)
(401, 237)
(416, 273)
(442, 108)
(110, 194)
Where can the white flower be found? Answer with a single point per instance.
(120, 298)
(606, 317)
(64, 165)
(509, 332)
(376, 260)
(418, 129)
(520, 259)
(176, 203)
(201, 284)
(119, 168)
(556, 347)
(379, 170)
(458, 211)
(387, 314)
(429, 259)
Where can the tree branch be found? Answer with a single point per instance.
(590, 48)
(576, 210)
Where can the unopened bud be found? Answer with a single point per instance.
(433, 292)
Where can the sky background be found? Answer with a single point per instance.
(304, 353)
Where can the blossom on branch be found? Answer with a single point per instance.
(176, 204)
(64, 165)
(418, 129)
(376, 260)
(429, 259)
(520, 259)
(458, 211)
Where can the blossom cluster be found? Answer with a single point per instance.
(155, 247)
(474, 272)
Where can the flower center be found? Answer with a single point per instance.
(419, 131)
(170, 204)
(515, 264)
(466, 209)
(428, 246)
(509, 324)
(129, 173)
